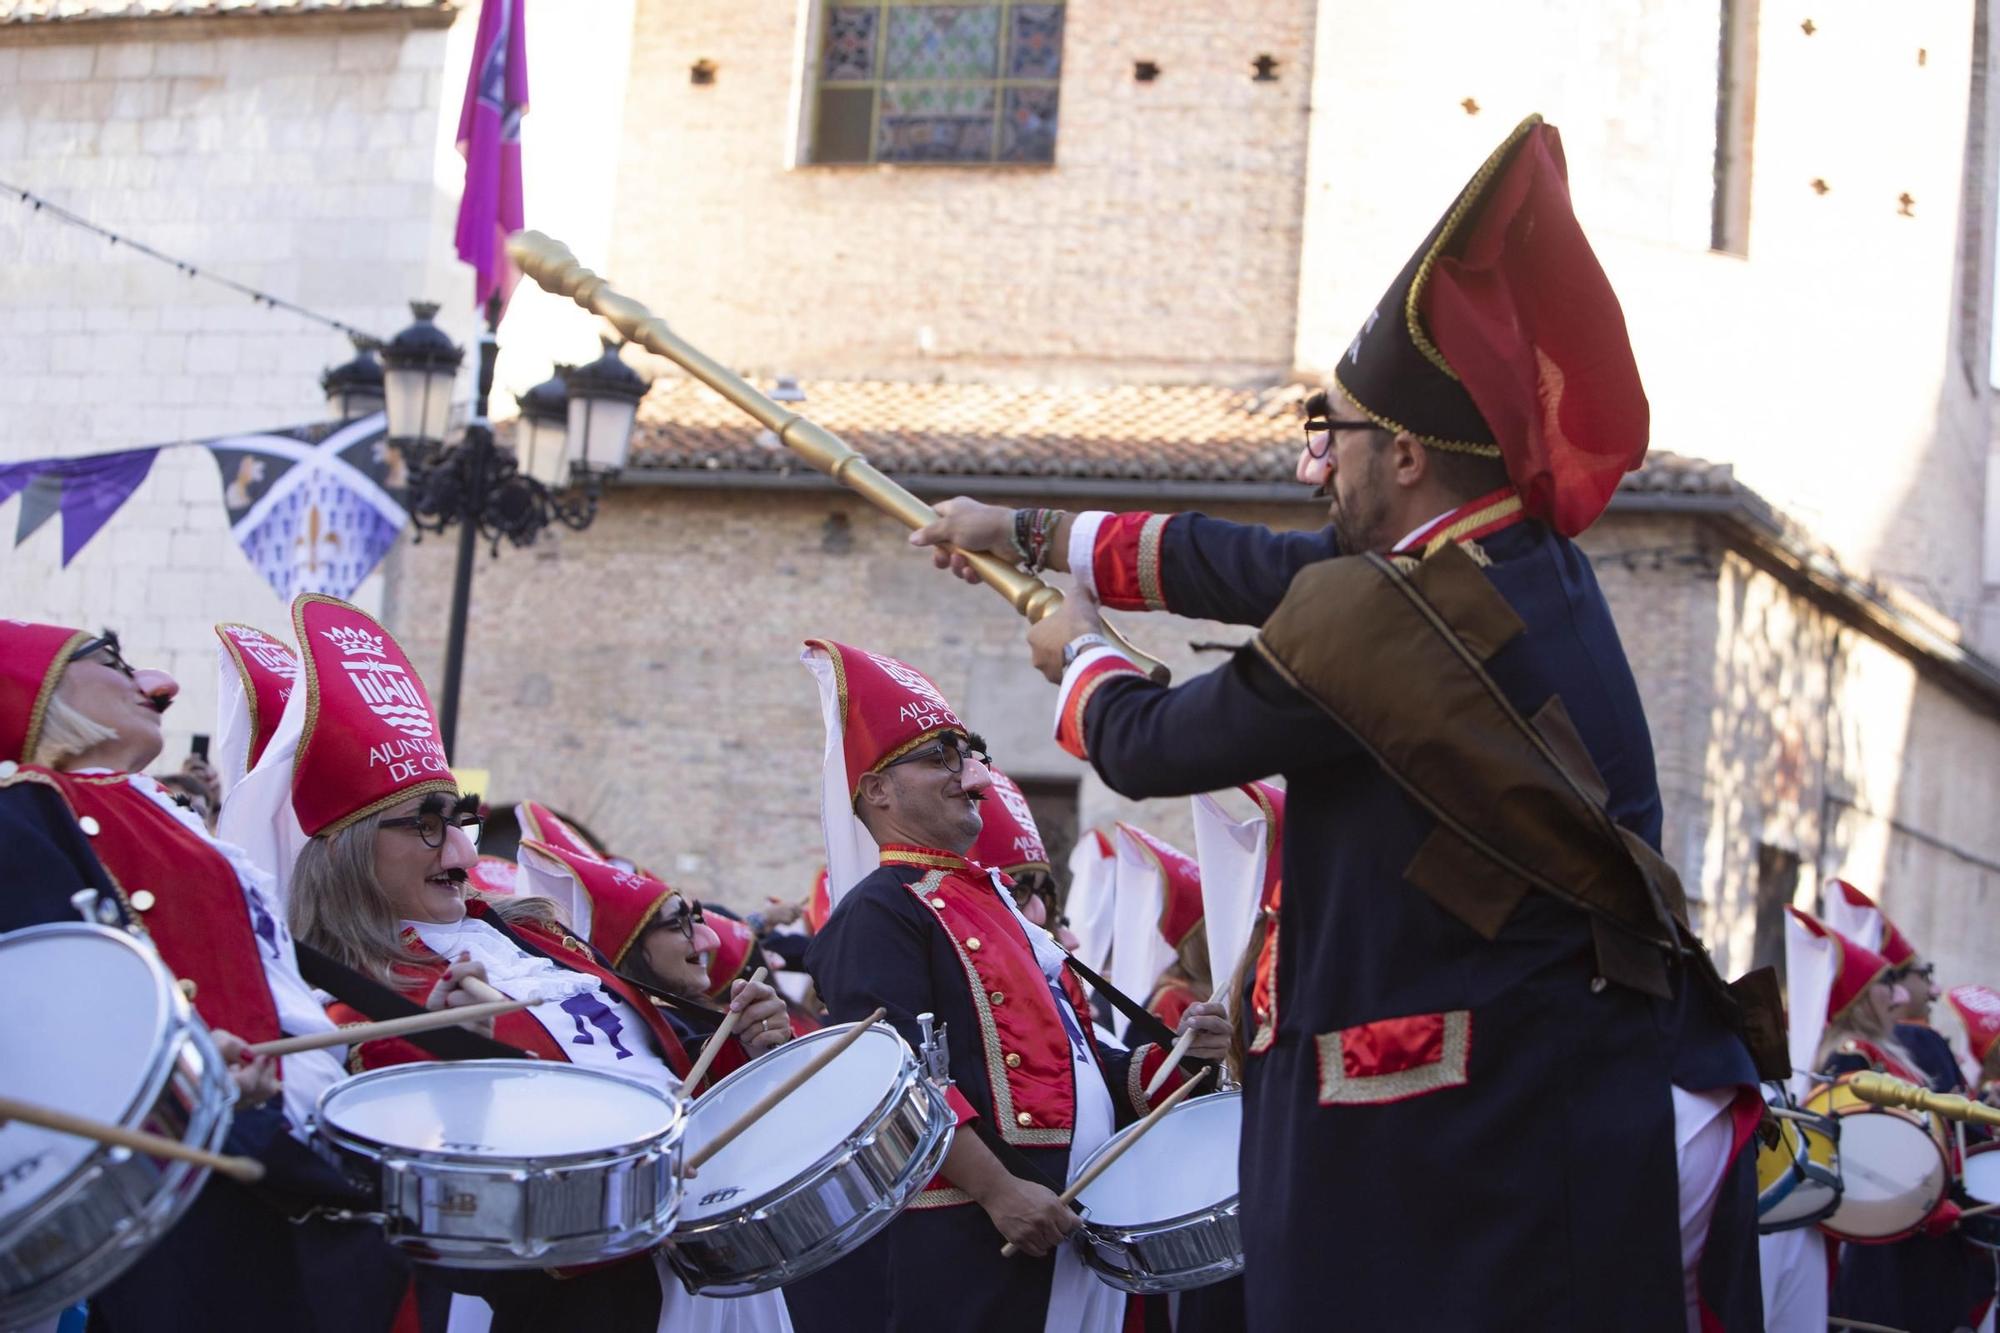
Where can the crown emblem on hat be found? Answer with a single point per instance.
(353, 641)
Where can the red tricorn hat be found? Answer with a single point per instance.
(257, 673)
(541, 824)
(876, 710)
(371, 737)
(622, 902)
(1502, 337)
(1978, 1007)
(819, 906)
(1180, 885)
(32, 660)
(887, 707)
(1855, 914)
(1008, 839)
(726, 963)
(1855, 968)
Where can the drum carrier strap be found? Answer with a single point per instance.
(367, 996)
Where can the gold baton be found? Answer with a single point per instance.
(552, 266)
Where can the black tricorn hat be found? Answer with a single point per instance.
(1502, 337)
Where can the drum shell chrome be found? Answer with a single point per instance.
(460, 1211)
(824, 1212)
(1175, 1254)
(106, 1212)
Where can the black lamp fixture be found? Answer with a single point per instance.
(574, 434)
(354, 388)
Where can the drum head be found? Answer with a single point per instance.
(1186, 1163)
(1892, 1174)
(1982, 1173)
(512, 1109)
(815, 1121)
(88, 1011)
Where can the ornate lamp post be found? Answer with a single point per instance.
(576, 430)
(354, 388)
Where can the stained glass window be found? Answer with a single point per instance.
(940, 81)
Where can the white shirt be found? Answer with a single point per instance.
(592, 1025)
(306, 1074)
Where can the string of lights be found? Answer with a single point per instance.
(49, 208)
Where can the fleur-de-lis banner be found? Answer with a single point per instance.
(315, 508)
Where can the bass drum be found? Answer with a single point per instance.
(95, 1026)
(1893, 1165)
(1163, 1217)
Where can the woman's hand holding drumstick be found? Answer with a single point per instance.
(716, 1042)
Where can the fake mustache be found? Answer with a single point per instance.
(159, 703)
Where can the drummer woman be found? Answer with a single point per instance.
(381, 884)
(1926, 1280)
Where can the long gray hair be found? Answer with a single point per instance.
(340, 907)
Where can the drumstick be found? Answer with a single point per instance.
(245, 1169)
(714, 1047)
(392, 1027)
(1835, 1321)
(782, 1091)
(1976, 1212)
(1181, 1045)
(1132, 1136)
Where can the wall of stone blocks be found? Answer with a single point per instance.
(294, 157)
(1162, 245)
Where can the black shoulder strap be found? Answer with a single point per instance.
(368, 996)
(1144, 1021)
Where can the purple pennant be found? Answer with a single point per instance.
(489, 135)
(93, 489)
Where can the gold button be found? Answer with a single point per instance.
(998, 997)
(1024, 1120)
(937, 902)
(142, 901)
(1013, 1059)
(8, 768)
(188, 989)
(972, 943)
(89, 825)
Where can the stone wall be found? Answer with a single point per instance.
(1162, 245)
(297, 157)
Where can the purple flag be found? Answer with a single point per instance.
(94, 487)
(489, 135)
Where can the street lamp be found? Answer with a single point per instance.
(354, 388)
(575, 431)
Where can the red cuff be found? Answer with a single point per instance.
(1125, 561)
(962, 1110)
(1079, 683)
(1146, 1061)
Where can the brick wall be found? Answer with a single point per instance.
(1162, 245)
(295, 157)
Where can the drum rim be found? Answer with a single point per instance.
(171, 1031)
(1183, 1219)
(376, 1149)
(910, 1073)
(1944, 1191)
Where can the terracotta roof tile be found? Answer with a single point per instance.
(77, 11)
(1172, 433)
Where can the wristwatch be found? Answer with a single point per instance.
(1074, 648)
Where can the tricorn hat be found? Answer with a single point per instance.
(32, 659)
(255, 674)
(1502, 337)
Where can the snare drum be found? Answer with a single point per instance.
(1798, 1177)
(827, 1168)
(1981, 1184)
(1893, 1169)
(509, 1163)
(95, 1026)
(1163, 1217)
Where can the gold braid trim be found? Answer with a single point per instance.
(50, 679)
(645, 919)
(1150, 533)
(1135, 1080)
(939, 1198)
(1389, 423)
(1478, 518)
(1468, 198)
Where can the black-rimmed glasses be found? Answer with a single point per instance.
(949, 752)
(430, 823)
(683, 919)
(105, 649)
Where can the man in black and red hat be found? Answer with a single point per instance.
(1499, 1055)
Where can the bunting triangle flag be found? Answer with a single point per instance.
(84, 491)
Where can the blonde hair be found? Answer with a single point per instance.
(1870, 1018)
(340, 907)
(66, 733)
